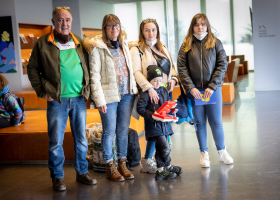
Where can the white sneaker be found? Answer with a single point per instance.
(204, 159)
(225, 157)
(148, 166)
(154, 160)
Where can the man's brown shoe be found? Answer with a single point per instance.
(123, 169)
(86, 179)
(58, 184)
(112, 173)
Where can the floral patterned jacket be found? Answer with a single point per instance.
(9, 107)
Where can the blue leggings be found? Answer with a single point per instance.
(150, 149)
(214, 114)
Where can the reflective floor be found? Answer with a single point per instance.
(252, 128)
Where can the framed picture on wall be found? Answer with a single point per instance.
(7, 49)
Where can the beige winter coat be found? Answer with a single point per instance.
(103, 76)
(140, 66)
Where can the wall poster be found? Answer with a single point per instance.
(7, 49)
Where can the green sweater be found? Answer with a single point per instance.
(44, 67)
(71, 72)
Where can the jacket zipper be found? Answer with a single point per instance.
(115, 72)
(130, 75)
(201, 66)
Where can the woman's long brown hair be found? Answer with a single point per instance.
(142, 41)
(105, 38)
(210, 43)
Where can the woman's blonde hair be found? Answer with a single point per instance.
(116, 20)
(3, 82)
(142, 41)
(210, 43)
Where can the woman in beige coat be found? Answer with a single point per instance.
(149, 50)
(112, 89)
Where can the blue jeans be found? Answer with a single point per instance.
(116, 122)
(214, 114)
(57, 116)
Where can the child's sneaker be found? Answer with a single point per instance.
(165, 174)
(148, 166)
(176, 169)
(225, 157)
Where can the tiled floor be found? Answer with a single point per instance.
(252, 128)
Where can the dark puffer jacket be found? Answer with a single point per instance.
(202, 68)
(145, 108)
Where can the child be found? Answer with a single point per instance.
(10, 112)
(157, 130)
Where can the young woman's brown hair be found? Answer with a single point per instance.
(142, 41)
(3, 82)
(116, 20)
(210, 43)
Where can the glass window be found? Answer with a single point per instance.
(187, 9)
(243, 31)
(155, 10)
(219, 18)
(129, 24)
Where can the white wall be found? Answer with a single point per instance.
(92, 12)
(32, 12)
(7, 8)
(86, 13)
(266, 49)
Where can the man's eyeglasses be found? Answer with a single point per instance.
(149, 20)
(62, 7)
(113, 25)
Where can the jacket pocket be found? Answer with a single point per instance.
(49, 88)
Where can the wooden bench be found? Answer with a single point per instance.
(28, 143)
(232, 71)
(243, 65)
(32, 101)
(228, 93)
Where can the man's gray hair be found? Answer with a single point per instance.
(54, 12)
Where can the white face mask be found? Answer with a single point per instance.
(200, 37)
(151, 43)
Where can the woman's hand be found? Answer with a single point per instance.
(195, 92)
(102, 109)
(172, 85)
(153, 95)
(208, 92)
(48, 97)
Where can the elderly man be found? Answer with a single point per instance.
(58, 71)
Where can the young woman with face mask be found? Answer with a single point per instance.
(146, 51)
(202, 63)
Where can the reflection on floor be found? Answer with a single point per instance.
(252, 127)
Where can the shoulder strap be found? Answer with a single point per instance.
(140, 52)
(182, 90)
